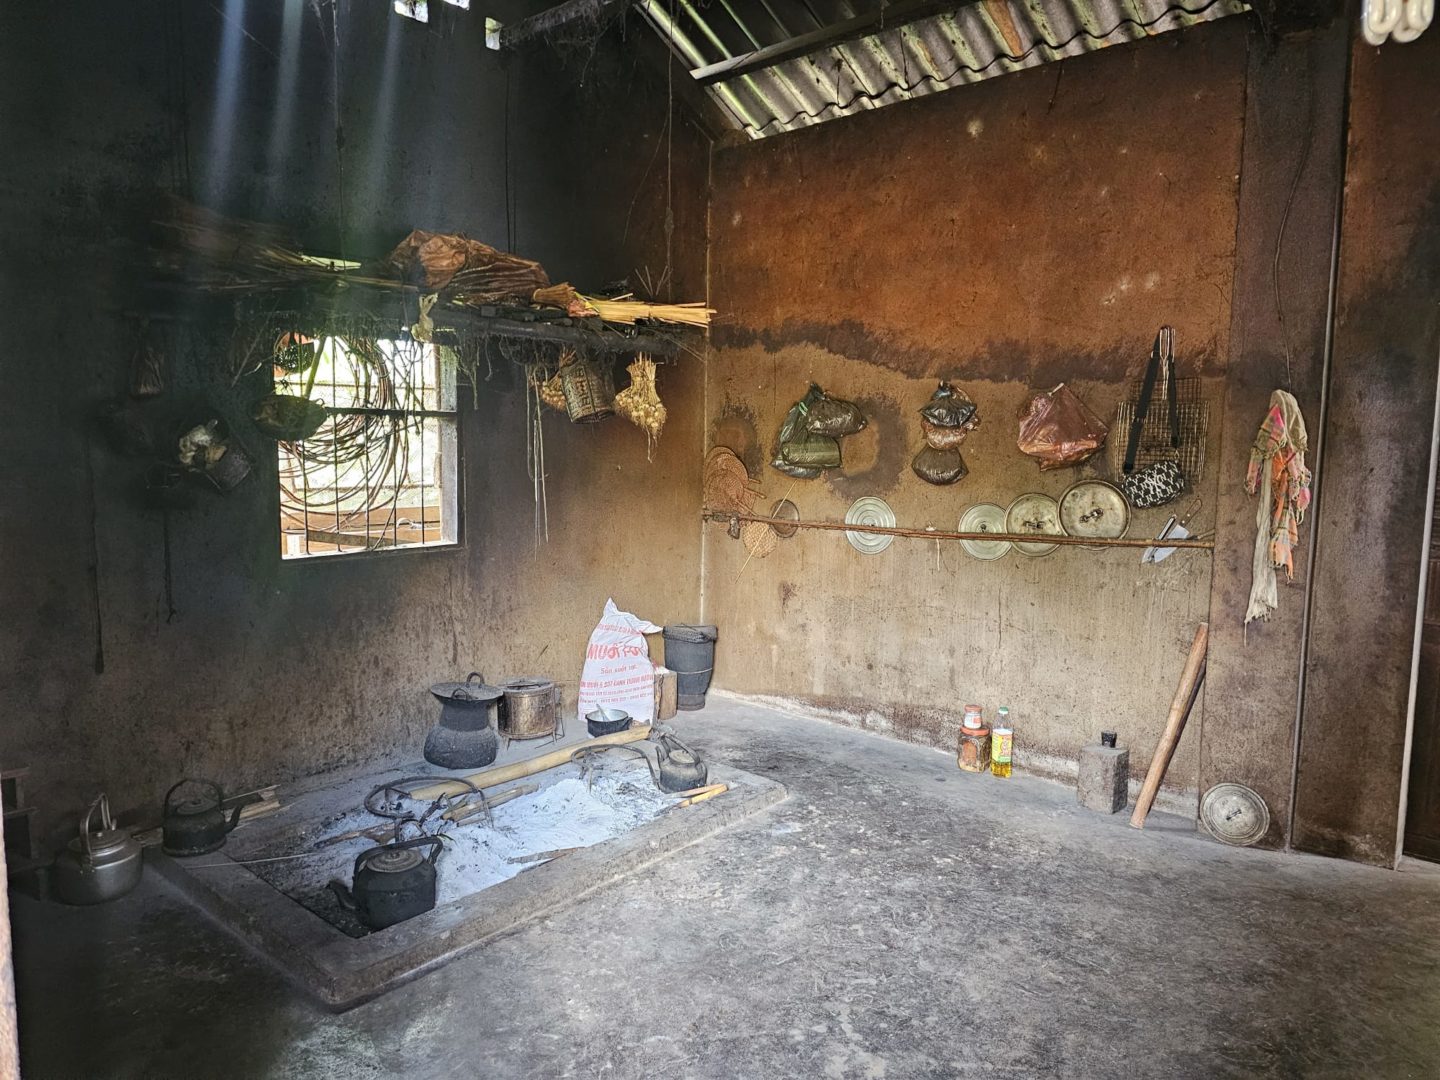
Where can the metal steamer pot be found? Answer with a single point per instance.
(98, 865)
(530, 708)
(464, 738)
(391, 883)
(196, 826)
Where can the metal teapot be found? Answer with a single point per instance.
(196, 825)
(98, 865)
(678, 768)
(391, 883)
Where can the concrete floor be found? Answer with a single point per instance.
(893, 918)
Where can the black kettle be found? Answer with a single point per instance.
(391, 883)
(196, 825)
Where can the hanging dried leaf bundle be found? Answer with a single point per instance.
(640, 402)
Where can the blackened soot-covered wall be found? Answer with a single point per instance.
(1010, 236)
(265, 669)
(1375, 467)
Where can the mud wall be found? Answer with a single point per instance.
(268, 670)
(1033, 229)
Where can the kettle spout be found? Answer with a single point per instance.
(343, 894)
(234, 819)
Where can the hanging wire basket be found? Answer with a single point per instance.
(589, 391)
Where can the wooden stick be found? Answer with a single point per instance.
(1174, 725)
(503, 774)
(465, 812)
(708, 793)
(722, 516)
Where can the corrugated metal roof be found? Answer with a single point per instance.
(938, 52)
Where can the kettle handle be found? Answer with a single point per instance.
(219, 795)
(419, 841)
(106, 822)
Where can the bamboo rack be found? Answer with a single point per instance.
(723, 516)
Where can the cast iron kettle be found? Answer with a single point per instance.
(679, 768)
(197, 825)
(100, 864)
(391, 883)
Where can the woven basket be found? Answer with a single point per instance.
(589, 391)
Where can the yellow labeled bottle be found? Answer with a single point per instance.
(1002, 744)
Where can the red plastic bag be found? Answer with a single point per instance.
(1058, 429)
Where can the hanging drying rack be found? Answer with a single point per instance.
(725, 517)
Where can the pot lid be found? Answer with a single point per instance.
(1234, 814)
(1094, 508)
(103, 844)
(869, 510)
(1038, 514)
(984, 517)
(525, 684)
(784, 510)
(200, 804)
(474, 689)
(394, 860)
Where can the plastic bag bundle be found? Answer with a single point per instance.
(834, 418)
(1058, 429)
(939, 466)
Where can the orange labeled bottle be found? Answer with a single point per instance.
(1002, 744)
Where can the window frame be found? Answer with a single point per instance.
(443, 351)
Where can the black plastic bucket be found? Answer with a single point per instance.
(690, 653)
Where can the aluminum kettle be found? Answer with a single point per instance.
(99, 864)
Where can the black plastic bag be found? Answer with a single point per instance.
(948, 407)
(939, 466)
(833, 417)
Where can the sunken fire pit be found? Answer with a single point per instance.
(541, 852)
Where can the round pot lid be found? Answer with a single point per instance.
(784, 510)
(985, 517)
(1036, 514)
(1094, 508)
(869, 511)
(394, 860)
(465, 693)
(1234, 814)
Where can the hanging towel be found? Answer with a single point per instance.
(1277, 471)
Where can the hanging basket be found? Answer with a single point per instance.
(589, 391)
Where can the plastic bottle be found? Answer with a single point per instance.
(1002, 743)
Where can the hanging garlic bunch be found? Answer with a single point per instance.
(640, 402)
(550, 390)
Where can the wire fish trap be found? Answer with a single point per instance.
(1194, 415)
(589, 389)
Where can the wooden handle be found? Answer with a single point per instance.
(1174, 725)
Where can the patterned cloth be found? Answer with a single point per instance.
(1277, 471)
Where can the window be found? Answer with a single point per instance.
(383, 470)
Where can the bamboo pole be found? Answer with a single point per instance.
(1174, 725)
(503, 774)
(928, 534)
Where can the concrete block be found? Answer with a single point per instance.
(1104, 783)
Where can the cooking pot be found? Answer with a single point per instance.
(391, 883)
(197, 825)
(98, 865)
(464, 737)
(531, 708)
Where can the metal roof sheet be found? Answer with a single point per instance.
(940, 51)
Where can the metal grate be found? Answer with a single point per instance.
(1155, 434)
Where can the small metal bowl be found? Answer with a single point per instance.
(603, 721)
